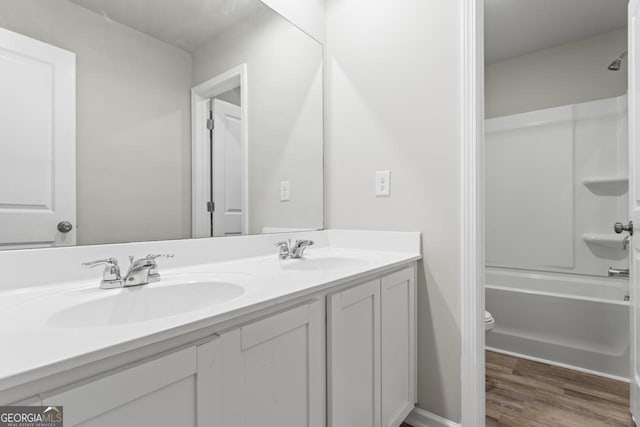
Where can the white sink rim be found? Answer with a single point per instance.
(177, 295)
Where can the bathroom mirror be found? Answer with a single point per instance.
(143, 120)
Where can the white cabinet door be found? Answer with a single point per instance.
(266, 374)
(353, 345)
(398, 346)
(37, 143)
(160, 393)
(371, 344)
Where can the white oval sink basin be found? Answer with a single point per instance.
(142, 303)
(324, 263)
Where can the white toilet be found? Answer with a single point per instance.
(489, 322)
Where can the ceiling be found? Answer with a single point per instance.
(517, 27)
(187, 24)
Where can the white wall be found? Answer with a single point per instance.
(567, 74)
(284, 67)
(132, 97)
(309, 15)
(391, 104)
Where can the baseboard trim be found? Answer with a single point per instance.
(421, 418)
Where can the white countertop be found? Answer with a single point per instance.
(35, 347)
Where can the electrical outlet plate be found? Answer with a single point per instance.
(285, 193)
(383, 183)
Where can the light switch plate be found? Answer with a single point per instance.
(285, 194)
(383, 183)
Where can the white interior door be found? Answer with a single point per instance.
(634, 199)
(37, 143)
(228, 169)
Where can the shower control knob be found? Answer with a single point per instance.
(620, 227)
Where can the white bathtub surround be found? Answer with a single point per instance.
(557, 181)
(65, 329)
(573, 321)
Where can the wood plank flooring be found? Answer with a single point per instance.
(522, 393)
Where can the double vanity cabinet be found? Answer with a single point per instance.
(340, 355)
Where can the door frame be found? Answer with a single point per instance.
(472, 215)
(201, 146)
(632, 109)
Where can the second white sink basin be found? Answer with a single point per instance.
(148, 302)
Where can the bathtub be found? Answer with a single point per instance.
(580, 322)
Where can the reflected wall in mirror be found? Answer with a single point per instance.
(144, 120)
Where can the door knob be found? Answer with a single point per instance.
(620, 227)
(65, 226)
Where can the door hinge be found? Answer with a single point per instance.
(210, 124)
(211, 206)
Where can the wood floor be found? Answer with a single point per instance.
(522, 393)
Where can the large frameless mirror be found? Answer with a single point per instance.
(140, 120)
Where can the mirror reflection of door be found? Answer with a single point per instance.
(227, 173)
(37, 144)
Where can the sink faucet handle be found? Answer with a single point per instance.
(154, 256)
(285, 248)
(106, 261)
(111, 276)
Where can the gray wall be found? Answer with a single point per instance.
(392, 105)
(563, 75)
(132, 97)
(284, 67)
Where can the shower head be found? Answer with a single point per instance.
(617, 63)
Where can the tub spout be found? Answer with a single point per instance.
(616, 272)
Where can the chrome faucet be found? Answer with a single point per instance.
(293, 250)
(299, 247)
(141, 271)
